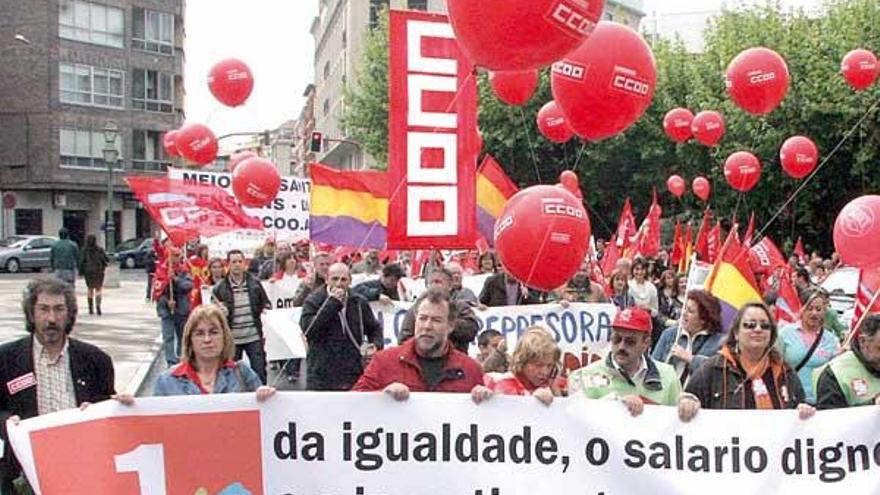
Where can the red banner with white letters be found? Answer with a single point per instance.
(432, 142)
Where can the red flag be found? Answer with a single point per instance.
(701, 245)
(649, 232)
(750, 231)
(788, 304)
(799, 251)
(432, 138)
(765, 257)
(688, 250)
(187, 211)
(609, 259)
(677, 245)
(626, 226)
(713, 242)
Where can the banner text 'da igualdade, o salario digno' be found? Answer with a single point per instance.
(368, 444)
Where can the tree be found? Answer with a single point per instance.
(819, 104)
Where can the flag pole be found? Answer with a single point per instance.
(687, 290)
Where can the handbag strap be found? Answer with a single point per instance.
(810, 351)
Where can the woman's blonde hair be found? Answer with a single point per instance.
(535, 343)
(213, 314)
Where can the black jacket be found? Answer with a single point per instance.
(720, 385)
(90, 368)
(494, 292)
(333, 360)
(256, 293)
(372, 289)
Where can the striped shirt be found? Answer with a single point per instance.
(244, 330)
(54, 380)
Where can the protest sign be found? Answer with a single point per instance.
(366, 443)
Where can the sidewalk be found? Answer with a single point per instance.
(128, 330)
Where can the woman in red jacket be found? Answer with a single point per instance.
(534, 367)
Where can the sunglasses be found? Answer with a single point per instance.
(751, 325)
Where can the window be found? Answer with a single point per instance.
(326, 70)
(87, 85)
(147, 152)
(326, 107)
(417, 4)
(152, 91)
(376, 6)
(152, 31)
(608, 16)
(85, 148)
(29, 221)
(91, 23)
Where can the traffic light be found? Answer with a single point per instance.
(317, 142)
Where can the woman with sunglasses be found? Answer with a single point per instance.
(808, 344)
(533, 368)
(748, 372)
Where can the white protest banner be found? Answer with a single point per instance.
(366, 443)
(284, 337)
(288, 214)
(579, 329)
(281, 292)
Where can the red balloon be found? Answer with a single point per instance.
(521, 34)
(676, 185)
(607, 83)
(231, 82)
(860, 69)
(799, 156)
(552, 123)
(237, 158)
(569, 181)
(169, 143)
(702, 188)
(708, 127)
(514, 87)
(742, 170)
(677, 124)
(255, 182)
(757, 80)
(541, 236)
(857, 232)
(197, 143)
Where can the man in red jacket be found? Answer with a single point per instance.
(428, 362)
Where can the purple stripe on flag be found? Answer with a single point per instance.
(486, 225)
(728, 314)
(347, 231)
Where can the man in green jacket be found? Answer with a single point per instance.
(628, 374)
(63, 257)
(853, 378)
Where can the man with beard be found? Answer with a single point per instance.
(627, 373)
(427, 362)
(47, 371)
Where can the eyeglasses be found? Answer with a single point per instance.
(751, 325)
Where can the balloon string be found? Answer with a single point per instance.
(580, 154)
(596, 215)
(529, 139)
(734, 220)
(812, 175)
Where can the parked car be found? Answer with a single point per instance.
(842, 285)
(25, 252)
(133, 252)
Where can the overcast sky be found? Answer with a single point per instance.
(272, 37)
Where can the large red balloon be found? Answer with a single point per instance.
(169, 143)
(231, 82)
(857, 232)
(799, 156)
(702, 188)
(541, 236)
(237, 158)
(677, 124)
(514, 87)
(742, 170)
(607, 83)
(860, 69)
(757, 80)
(676, 185)
(708, 127)
(255, 182)
(197, 144)
(569, 181)
(521, 34)
(552, 123)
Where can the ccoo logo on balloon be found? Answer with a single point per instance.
(858, 221)
(627, 80)
(571, 17)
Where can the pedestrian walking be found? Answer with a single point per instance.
(63, 257)
(93, 262)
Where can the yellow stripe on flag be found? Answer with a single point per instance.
(330, 202)
(730, 286)
(489, 197)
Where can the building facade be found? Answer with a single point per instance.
(67, 68)
(626, 12)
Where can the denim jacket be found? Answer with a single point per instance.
(179, 380)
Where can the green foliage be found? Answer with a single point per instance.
(819, 105)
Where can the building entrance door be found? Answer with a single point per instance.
(75, 223)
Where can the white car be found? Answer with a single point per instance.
(842, 284)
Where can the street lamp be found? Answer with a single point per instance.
(111, 153)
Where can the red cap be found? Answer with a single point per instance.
(634, 319)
